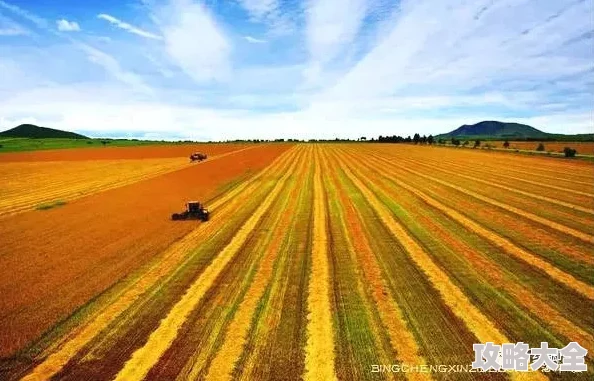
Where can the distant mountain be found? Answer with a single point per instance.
(513, 131)
(36, 132)
(497, 130)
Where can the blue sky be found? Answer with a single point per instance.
(190, 69)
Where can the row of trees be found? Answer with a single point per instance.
(416, 139)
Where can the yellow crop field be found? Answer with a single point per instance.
(320, 261)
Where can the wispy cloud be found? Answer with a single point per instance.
(254, 40)
(492, 45)
(258, 9)
(276, 15)
(10, 28)
(128, 27)
(38, 21)
(64, 25)
(194, 40)
(332, 25)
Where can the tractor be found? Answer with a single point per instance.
(197, 156)
(194, 211)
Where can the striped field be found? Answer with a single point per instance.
(333, 259)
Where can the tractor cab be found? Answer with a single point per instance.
(198, 156)
(194, 211)
(194, 206)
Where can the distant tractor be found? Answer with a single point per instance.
(194, 211)
(197, 156)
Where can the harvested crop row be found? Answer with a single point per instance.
(358, 334)
(506, 245)
(483, 329)
(274, 349)
(174, 257)
(551, 224)
(144, 358)
(581, 195)
(478, 323)
(391, 322)
(411, 290)
(319, 351)
(525, 295)
(574, 216)
(552, 168)
(222, 365)
(492, 183)
(560, 249)
(572, 175)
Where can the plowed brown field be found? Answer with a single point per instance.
(47, 257)
(28, 185)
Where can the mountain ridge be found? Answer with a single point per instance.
(37, 132)
(491, 129)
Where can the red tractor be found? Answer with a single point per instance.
(197, 156)
(194, 211)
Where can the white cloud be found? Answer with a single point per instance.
(254, 40)
(67, 26)
(130, 28)
(194, 40)
(259, 8)
(332, 25)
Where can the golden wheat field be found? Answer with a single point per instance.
(319, 262)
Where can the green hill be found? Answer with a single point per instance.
(493, 130)
(36, 132)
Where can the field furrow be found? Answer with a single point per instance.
(485, 286)
(534, 173)
(491, 183)
(588, 238)
(319, 351)
(505, 244)
(475, 320)
(391, 317)
(274, 349)
(223, 363)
